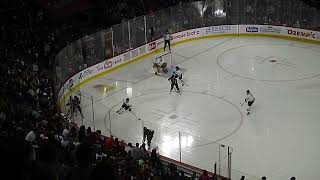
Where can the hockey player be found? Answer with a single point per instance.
(174, 83)
(250, 100)
(147, 135)
(159, 64)
(76, 105)
(177, 72)
(125, 106)
(71, 109)
(167, 38)
(149, 138)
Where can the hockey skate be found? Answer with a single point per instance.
(248, 111)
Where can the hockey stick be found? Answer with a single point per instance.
(135, 115)
(184, 83)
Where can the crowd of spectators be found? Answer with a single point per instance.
(38, 143)
(294, 13)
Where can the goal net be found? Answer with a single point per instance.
(166, 56)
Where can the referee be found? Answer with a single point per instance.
(167, 38)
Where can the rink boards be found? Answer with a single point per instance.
(109, 65)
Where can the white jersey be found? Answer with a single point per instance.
(159, 61)
(167, 37)
(177, 72)
(250, 98)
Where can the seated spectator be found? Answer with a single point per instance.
(263, 178)
(82, 134)
(83, 170)
(31, 137)
(103, 170)
(109, 142)
(100, 155)
(99, 138)
(91, 138)
(154, 156)
(116, 142)
(136, 152)
(242, 178)
(72, 133)
(46, 167)
(204, 175)
(35, 68)
(129, 148)
(65, 131)
(64, 142)
(43, 137)
(120, 151)
(88, 131)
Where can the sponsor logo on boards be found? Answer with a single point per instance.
(270, 29)
(252, 29)
(152, 46)
(298, 33)
(85, 73)
(218, 29)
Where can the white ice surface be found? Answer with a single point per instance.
(278, 140)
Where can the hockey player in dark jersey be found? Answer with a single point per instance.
(174, 83)
(125, 106)
(76, 105)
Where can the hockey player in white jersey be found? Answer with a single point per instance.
(178, 74)
(125, 106)
(250, 100)
(158, 64)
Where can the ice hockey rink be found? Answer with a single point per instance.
(278, 140)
